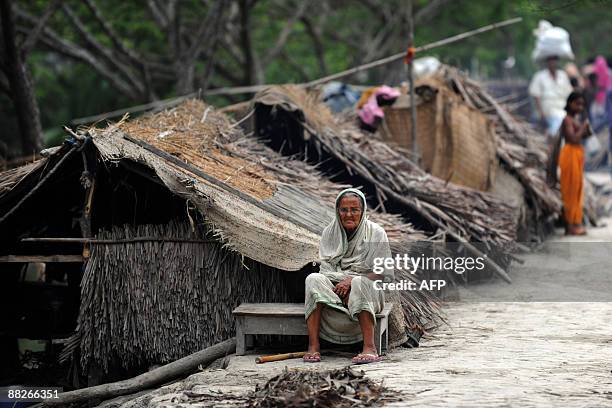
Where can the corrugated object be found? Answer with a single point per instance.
(455, 142)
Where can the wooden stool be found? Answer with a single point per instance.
(288, 319)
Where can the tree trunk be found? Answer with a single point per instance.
(22, 92)
(150, 379)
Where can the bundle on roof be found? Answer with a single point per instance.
(295, 121)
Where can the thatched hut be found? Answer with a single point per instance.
(172, 220)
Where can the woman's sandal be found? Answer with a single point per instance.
(312, 357)
(364, 358)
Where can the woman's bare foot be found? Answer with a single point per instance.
(577, 230)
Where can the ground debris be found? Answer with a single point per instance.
(344, 387)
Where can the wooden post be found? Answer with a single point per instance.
(413, 113)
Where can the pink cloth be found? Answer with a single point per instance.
(603, 79)
(370, 111)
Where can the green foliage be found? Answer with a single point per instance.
(68, 89)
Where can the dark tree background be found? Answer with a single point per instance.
(63, 59)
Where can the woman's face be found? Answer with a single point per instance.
(350, 212)
(577, 105)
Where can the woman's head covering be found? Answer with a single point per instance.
(603, 79)
(340, 254)
(364, 205)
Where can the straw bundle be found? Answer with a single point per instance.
(192, 132)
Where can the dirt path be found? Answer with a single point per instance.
(518, 353)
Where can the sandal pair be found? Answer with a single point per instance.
(365, 358)
(312, 357)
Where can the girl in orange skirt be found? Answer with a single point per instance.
(571, 163)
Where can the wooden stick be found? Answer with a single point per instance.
(279, 357)
(165, 103)
(154, 377)
(116, 241)
(41, 258)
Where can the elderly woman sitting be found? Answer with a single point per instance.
(341, 300)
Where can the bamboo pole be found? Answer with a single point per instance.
(398, 56)
(256, 88)
(413, 112)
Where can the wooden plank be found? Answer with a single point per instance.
(285, 326)
(285, 309)
(386, 310)
(270, 309)
(41, 258)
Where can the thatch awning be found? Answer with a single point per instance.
(259, 203)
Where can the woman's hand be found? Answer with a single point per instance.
(343, 288)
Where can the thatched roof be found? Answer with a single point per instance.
(474, 215)
(267, 207)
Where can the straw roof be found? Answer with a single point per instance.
(193, 132)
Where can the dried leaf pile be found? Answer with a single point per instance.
(342, 388)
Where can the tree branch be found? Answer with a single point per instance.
(114, 37)
(317, 42)
(52, 40)
(207, 29)
(429, 11)
(4, 85)
(296, 67)
(160, 18)
(252, 68)
(103, 51)
(284, 34)
(31, 39)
